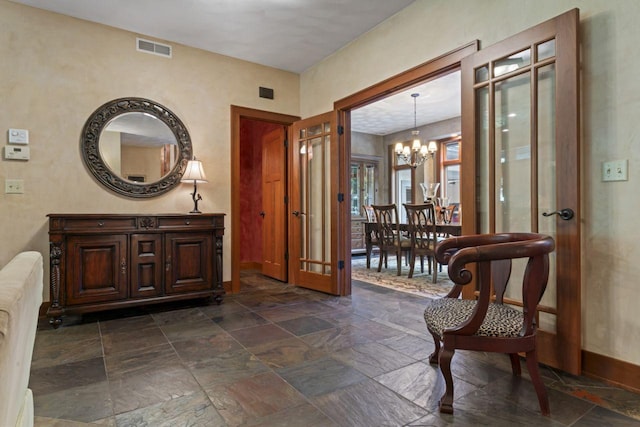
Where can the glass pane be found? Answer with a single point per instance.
(482, 102)
(546, 50)
(452, 189)
(369, 185)
(452, 151)
(547, 176)
(355, 189)
(512, 63)
(482, 74)
(403, 191)
(513, 154)
(314, 130)
(326, 214)
(302, 151)
(315, 211)
(452, 180)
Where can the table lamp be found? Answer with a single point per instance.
(195, 173)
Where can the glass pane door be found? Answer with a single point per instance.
(311, 222)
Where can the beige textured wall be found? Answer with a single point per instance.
(55, 71)
(611, 108)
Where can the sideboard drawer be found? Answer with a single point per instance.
(185, 221)
(94, 223)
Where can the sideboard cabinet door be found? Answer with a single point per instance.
(146, 265)
(98, 268)
(188, 262)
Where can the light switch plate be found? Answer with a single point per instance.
(14, 186)
(18, 136)
(615, 170)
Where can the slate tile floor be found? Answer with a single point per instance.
(277, 355)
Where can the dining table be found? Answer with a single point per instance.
(449, 228)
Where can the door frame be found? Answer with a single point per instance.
(238, 113)
(426, 71)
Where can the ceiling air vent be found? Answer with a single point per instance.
(148, 46)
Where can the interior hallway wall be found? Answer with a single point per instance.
(61, 69)
(609, 33)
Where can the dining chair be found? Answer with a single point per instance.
(388, 235)
(372, 240)
(423, 237)
(486, 324)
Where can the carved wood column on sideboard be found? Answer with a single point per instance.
(103, 262)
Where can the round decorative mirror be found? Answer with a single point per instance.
(135, 147)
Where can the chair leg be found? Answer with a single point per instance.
(433, 357)
(446, 403)
(515, 364)
(382, 256)
(368, 258)
(399, 261)
(412, 263)
(434, 278)
(541, 391)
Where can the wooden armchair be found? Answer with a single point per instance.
(388, 235)
(423, 236)
(486, 324)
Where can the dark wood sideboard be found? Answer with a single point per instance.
(103, 262)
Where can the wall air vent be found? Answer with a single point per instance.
(155, 48)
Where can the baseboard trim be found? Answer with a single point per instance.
(613, 371)
(250, 265)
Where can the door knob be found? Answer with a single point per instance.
(566, 213)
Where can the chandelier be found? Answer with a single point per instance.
(417, 153)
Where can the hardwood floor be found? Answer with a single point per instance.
(277, 355)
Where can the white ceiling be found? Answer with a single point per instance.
(290, 35)
(438, 100)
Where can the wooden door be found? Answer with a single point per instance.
(146, 265)
(521, 159)
(188, 265)
(97, 268)
(274, 218)
(313, 209)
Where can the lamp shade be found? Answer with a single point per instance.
(194, 172)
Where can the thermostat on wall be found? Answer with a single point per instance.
(16, 153)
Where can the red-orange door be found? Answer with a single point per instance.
(274, 183)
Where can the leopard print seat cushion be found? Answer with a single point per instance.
(500, 321)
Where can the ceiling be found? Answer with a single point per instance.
(290, 35)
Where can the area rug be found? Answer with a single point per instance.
(420, 284)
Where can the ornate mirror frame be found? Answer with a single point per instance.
(90, 147)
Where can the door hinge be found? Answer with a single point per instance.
(340, 130)
(286, 256)
(341, 265)
(286, 199)
(340, 197)
(286, 142)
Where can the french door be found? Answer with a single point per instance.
(520, 110)
(313, 206)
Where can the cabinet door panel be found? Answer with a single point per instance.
(188, 263)
(146, 265)
(97, 268)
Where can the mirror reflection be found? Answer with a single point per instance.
(135, 147)
(138, 147)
